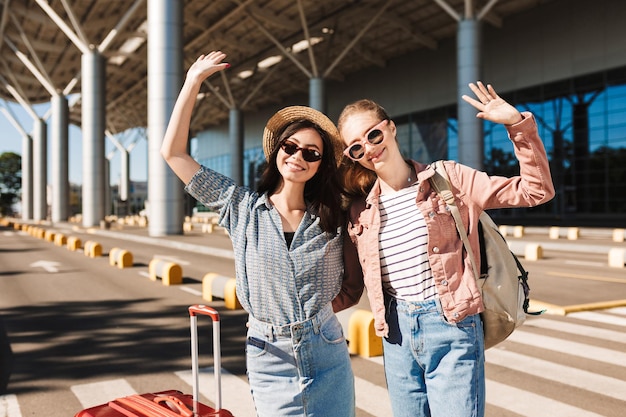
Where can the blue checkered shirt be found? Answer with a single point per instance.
(275, 283)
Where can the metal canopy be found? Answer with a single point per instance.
(42, 42)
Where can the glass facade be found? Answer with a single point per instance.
(582, 122)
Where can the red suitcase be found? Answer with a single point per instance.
(172, 403)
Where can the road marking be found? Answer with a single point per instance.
(191, 290)
(583, 263)
(587, 277)
(237, 399)
(171, 259)
(588, 381)
(96, 393)
(528, 404)
(9, 407)
(567, 347)
(236, 395)
(617, 310)
(599, 317)
(144, 274)
(578, 329)
(49, 266)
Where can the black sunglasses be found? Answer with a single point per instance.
(375, 136)
(309, 155)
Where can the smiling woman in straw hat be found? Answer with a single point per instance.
(290, 252)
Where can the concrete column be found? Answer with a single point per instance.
(107, 187)
(40, 170)
(317, 99)
(60, 167)
(27, 178)
(470, 128)
(124, 185)
(236, 139)
(165, 76)
(93, 126)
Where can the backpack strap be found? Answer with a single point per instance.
(441, 184)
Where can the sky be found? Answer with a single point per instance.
(11, 141)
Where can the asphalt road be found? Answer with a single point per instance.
(81, 330)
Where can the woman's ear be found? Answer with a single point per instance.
(392, 128)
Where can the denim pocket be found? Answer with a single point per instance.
(255, 347)
(467, 323)
(331, 331)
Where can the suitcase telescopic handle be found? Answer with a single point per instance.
(205, 311)
(194, 311)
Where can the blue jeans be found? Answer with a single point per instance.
(433, 368)
(302, 369)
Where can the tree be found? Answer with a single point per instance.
(10, 181)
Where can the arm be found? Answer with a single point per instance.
(534, 184)
(352, 284)
(491, 107)
(174, 146)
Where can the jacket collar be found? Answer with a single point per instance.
(424, 173)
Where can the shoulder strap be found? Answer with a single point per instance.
(441, 184)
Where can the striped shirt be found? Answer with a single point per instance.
(276, 283)
(403, 248)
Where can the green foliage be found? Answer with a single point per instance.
(10, 181)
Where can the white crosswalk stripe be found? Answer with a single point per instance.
(96, 393)
(578, 329)
(9, 407)
(236, 396)
(514, 356)
(566, 375)
(508, 398)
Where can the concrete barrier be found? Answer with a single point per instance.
(49, 236)
(120, 258)
(554, 232)
(530, 251)
(361, 335)
(74, 243)
(617, 257)
(92, 249)
(518, 231)
(170, 273)
(618, 235)
(573, 233)
(60, 239)
(533, 252)
(218, 286)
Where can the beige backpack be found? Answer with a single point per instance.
(502, 280)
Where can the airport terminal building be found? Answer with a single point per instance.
(562, 60)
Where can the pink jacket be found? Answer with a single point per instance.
(474, 192)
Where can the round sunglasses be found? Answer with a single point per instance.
(375, 136)
(309, 155)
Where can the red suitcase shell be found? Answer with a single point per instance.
(172, 403)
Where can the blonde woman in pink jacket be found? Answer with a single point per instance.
(420, 284)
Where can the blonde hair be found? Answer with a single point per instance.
(357, 180)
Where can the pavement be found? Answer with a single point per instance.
(590, 241)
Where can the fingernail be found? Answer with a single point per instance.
(227, 65)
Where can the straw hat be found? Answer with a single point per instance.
(277, 123)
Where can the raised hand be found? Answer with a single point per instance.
(491, 107)
(206, 65)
